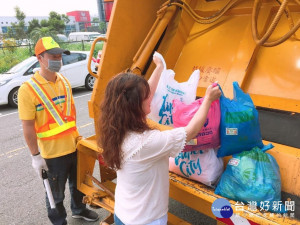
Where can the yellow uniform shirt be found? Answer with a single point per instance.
(31, 109)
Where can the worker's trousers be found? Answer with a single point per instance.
(60, 170)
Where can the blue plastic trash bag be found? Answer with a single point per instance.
(252, 176)
(239, 126)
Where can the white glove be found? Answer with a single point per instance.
(39, 163)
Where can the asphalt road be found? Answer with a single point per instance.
(22, 197)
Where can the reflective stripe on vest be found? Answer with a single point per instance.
(68, 95)
(56, 130)
(50, 107)
(47, 103)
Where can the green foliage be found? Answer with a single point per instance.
(19, 14)
(82, 47)
(102, 27)
(10, 33)
(51, 27)
(44, 23)
(9, 59)
(32, 25)
(19, 27)
(56, 22)
(40, 32)
(65, 18)
(94, 29)
(95, 20)
(10, 45)
(98, 47)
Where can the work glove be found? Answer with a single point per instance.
(39, 163)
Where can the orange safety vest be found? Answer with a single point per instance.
(58, 123)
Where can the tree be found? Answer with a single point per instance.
(10, 33)
(40, 32)
(19, 14)
(102, 27)
(65, 18)
(10, 45)
(54, 25)
(33, 24)
(19, 27)
(44, 23)
(56, 22)
(95, 20)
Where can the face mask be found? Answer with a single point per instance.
(54, 65)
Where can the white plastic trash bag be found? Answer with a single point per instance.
(202, 166)
(169, 89)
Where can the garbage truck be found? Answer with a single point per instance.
(253, 42)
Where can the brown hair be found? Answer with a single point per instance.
(122, 111)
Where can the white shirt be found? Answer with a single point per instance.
(142, 191)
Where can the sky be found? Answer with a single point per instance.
(43, 7)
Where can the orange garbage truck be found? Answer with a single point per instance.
(253, 42)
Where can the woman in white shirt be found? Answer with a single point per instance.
(139, 153)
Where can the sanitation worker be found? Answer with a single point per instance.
(47, 110)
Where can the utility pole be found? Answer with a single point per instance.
(101, 13)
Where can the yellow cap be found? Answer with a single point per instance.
(49, 45)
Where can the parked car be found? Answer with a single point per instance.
(74, 69)
(24, 42)
(62, 38)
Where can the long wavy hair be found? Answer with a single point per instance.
(121, 111)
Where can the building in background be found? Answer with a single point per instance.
(72, 26)
(79, 20)
(6, 21)
(82, 18)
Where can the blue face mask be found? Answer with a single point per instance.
(54, 65)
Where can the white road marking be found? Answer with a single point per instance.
(83, 95)
(8, 114)
(12, 153)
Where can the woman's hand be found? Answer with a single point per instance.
(153, 80)
(212, 92)
(158, 62)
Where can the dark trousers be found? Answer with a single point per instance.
(60, 170)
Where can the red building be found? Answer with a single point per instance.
(82, 17)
